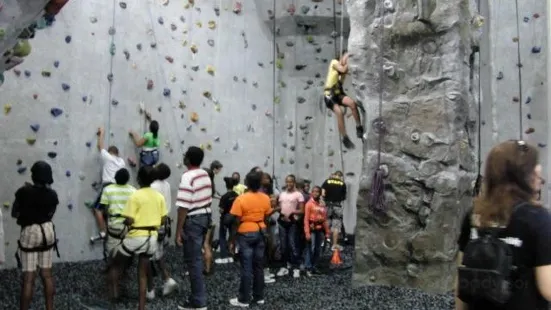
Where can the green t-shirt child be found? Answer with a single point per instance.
(150, 141)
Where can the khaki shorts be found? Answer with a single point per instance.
(138, 245)
(112, 243)
(160, 252)
(335, 215)
(31, 237)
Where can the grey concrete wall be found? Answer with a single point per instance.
(233, 125)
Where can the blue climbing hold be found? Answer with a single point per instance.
(526, 19)
(536, 50)
(88, 144)
(528, 100)
(84, 98)
(542, 145)
(65, 86)
(529, 116)
(166, 92)
(55, 142)
(56, 112)
(27, 73)
(52, 155)
(68, 39)
(21, 170)
(67, 173)
(56, 64)
(70, 206)
(35, 127)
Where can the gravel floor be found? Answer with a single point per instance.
(81, 286)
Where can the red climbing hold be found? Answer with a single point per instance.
(237, 7)
(536, 15)
(291, 10)
(169, 59)
(149, 84)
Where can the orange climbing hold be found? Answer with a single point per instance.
(336, 258)
(194, 117)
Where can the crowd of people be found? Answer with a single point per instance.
(262, 228)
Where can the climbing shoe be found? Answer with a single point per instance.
(360, 132)
(347, 143)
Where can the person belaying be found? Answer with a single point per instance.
(161, 174)
(316, 229)
(213, 170)
(291, 203)
(149, 144)
(112, 163)
(34, 207)
(335, 98)
(333, 191)
(144, 214)
(225, 233)
(194, 218)
(251, 210)
(113, 200)
(239, 188)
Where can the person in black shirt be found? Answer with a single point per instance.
(333, 192)
(508, 199)
(34, 207)
(226, 221)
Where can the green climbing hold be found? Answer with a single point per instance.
(279, 63)
(112, 49)
(276, 100)
(310, 39)
(2, 33)
(22, 48)
(7, 204)
(46, 73)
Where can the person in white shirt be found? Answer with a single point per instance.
(111, 164)
(162, 173)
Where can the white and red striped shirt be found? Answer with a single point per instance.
(195, 191)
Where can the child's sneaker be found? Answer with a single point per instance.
(360, 132)
(282, 272)
(169, 287)
(347, 143)
(296, 273)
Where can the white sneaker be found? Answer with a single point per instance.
(282, 272)
(230, 260)
(296, 273)
(221, 261)
(336, 246)
(169, 287)
(308, 273)
(268, 280)
(268, 274)
(235, 302)
(150, 295)
(260, 302)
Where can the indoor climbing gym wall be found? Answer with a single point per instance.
(208, 71)
(444, 70)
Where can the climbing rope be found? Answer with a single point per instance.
(519, 67)
(377, 197)
(160, 65)
(338, 55)
(274, 81)
(111, 61)
(478, 182)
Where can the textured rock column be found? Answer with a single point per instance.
(428, 146)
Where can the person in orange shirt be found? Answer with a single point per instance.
(251, 210)
(316, 227)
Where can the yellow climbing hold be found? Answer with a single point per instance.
(279, 63)
(210, 70)
(217, 108)
(478, 21)
(193, 48)
(184, 43)
(22, 48)
(282, 160)
(207, 94)
(7, 204)
(194, 117)
(7, 109)
(199, 24)
(276, 99)
(202, 147)
(310, 39)
(212, 24)
(172, 77)
(31, 141)
(186, 6)
(181, 104)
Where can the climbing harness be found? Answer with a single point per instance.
(377, 197)
(112, 49)
(44, 247)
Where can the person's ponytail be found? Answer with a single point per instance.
(154, 128)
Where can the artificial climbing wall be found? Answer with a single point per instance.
(108, 64)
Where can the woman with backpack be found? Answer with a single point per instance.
(150, 143)
(504, 254)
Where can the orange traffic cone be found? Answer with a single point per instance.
(336, 258)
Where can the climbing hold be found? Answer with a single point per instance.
(110, 77)
(536, 50)
(166, 92)
(528, 100)
(188, 128)
(84, 98)
(21, 170)
(46, 73)
(217, 11)
(27, 73)
(30, 141)
(112, 31)
(212, 24)
(529, 116)
(304, 9)
(56, 112)
(195, 68)
(88, 144)
(114, 102)
(515, 39)
(169, 59)
(153, 44)
(536, 15)
(542, 145)
(526, 19)
(216, 139)
(68, 39)
(139, 46)
(210, 42)
(193, 48)
(35, 127)
(289, 43)
(70, 206)
(52, 155)
(173, 27)
(279, 63)
(122, 5)
(19, 161)
(67, 173)
(150, 84)
(255, 84)
(126, 54)
(236, 146)
(529, 131)
(199, 24)
(515, 99)
(291, 9)
(65, 86)
(93, 20)
(172, 77)
(310, 39)
(7, 204)
(253, 107)
(161, 20)
(237, 7)
(207, 94)
(7, 109)
(194, 117)
(22, 48)
(500, 75)
(112, 49)
(301, 99)
(210, 70)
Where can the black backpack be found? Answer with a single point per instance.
(487, 270)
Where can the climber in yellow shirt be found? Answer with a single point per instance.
(335, 97)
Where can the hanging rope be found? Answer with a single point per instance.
(274, 85)
(338, 56)
(110, 91)
(478, 182)
(519, 67)
(377, 197)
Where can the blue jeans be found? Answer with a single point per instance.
(195, 229)
(288, 242)
(226, 221)
(313, 249)
(251, 249)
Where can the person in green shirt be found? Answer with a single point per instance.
(149, 142)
